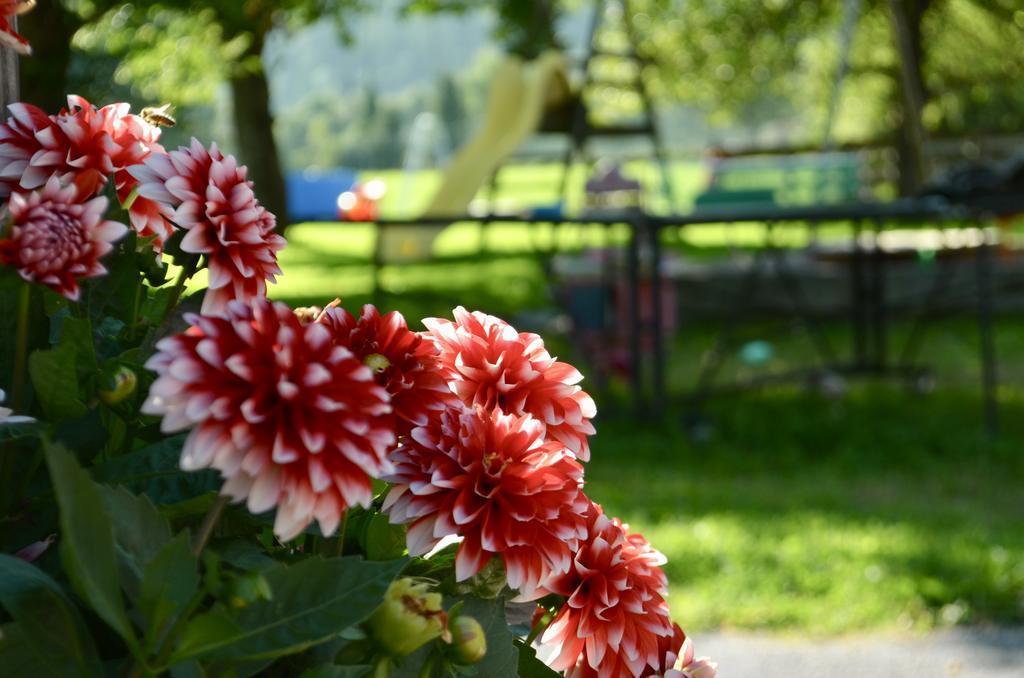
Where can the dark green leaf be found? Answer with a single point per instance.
(169, 582)
(245, 555)
(338, 672)
(76, 337)
(54, 377)
(87, 544)
(155, 472)
(530, 666)
(313, 601)
(501, 658)
(17, 655)
(139, 529)
(49, 629)
(29, 429)
(189, 669)
(381, 540)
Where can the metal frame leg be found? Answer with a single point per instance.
(986, 334)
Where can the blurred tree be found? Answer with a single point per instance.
(177, 50)
(524, 27)
(451, 110)
(963, 59)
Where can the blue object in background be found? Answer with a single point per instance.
(552, 211)
(313, 195)
(756, 352)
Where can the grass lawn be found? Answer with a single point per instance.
(877, 511)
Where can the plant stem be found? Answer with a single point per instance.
(167, 646)
(209, 522)
(341, 535)
(17, 401)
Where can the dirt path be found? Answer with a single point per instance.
(956, 653)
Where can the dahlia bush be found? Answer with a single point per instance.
(202, 481)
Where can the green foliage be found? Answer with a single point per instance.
(87, 549)
(313, 600)
(735, 58)
(53, 374)
(155, 472)
(48, 633)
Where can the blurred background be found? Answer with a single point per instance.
(824, 505)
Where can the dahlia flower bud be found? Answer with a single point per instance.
(118, 385)
(55, 239)
(469, 643)
(409, 617)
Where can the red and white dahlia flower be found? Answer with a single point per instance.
(55, 239)
(493, 479)
(81, 145)
(403, 361)
(206, 193)
(679, 661)
(615, 621)
(8, 36)
(290, 418)
(136, 139)
(488, 363)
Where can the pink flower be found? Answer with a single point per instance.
(405, 363)
(488, 363)
(681, 664)
(493, 479)
(615, 619)
(56, 240)
(290, 418)
(8, 36)
(206, 193)
(21, 138)
(81, 145)
(136, 140)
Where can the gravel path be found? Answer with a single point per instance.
(956, 653)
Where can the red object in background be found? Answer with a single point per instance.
(361, 203)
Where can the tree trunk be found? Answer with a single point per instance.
(9, 74)
(907, 16)
(254, 126)
(44, 75)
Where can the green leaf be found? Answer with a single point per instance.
(54, 377)
(49, 631)
(245, 555)
(337, 672)
(17, 655)
(28, 429)
(76, 336)
(530, 666)
(381, 540)
(313, 601)
(139, 530)
(155, 472)
(170, 581)
(501, 659)
(87, 544)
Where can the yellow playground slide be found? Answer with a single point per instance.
(520, 93)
